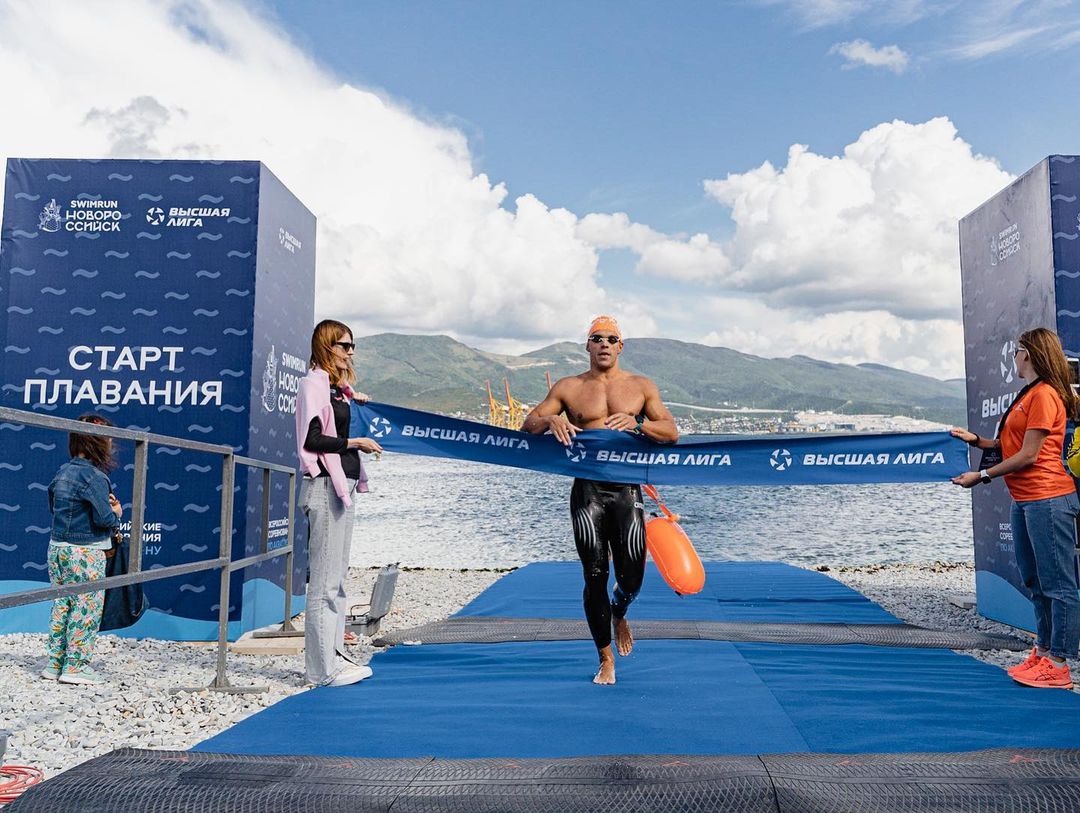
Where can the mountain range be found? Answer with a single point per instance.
(440, 374)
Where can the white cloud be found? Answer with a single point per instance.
(862, 53)
(872, 229)
(410, 236)
(696, 259)
(929, 346)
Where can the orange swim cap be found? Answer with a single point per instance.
(605, 324)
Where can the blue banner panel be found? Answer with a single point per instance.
(1009, 250)
(623, 457)
(129, 288)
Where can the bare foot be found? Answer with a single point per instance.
(624, 641)
(606, 674)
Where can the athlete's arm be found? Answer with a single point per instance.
(659, 425)
(547, 416)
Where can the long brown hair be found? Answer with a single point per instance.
(323, 337)
(95, 448)
(1048, 360)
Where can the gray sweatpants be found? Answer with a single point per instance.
(330, 529)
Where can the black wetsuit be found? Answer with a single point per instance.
(608, 516)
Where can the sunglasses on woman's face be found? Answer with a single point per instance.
(346, 346)
(596, 338)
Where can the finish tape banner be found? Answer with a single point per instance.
(624, 457)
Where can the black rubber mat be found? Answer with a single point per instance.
(139, 781)
(494, 629)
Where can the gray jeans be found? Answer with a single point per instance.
(330, 524)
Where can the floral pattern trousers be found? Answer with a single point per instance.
(73, 627)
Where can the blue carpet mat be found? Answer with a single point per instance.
(520, 700)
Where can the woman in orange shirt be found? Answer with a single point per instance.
(1045, 505)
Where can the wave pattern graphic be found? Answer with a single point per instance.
(178, 255)
(10, 466)
(1061, 159)
(44, 447)
(12, 388)
(84, 272)
(237, 292)
(113, 329)
(232, 331)
(22, 272)
(211, 198)
(191, 588)
(204, 312)
(8, 548)
(182, 178)
(203, 351)
(12, 427)
(208, 274)
(147, 274)
(243, 221)
(113, 294)
(197, 509)
(232, 373)
(54, 331)
(173, 409)
(195, 427)
(171, 452)
(177, 295)
(119, 255)
(176, 331)
(29, 235)
(35, 565)
(240, 179)
(1070, 314)
(116, 176)
(243, 255)
(1064, 235)
(166, 486)
(1065, 198)
(145, 235)
(197, 467)
(1061, 272)
(26, 196)
(84, 235)
(37, 487)
(55, 252)
(47, 371)
(231, 408)
(87, 196)
(20, 311)
(11, 348)
(205, 235)
(54, 291)
(37, 529)
(144, 312)
(82, 312)
(190, 548)
(148, 196)
(52, 176)
(9, 508)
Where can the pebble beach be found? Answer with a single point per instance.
(55, 727)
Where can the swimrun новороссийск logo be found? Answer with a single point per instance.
(84, 214)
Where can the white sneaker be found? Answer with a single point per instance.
(85, 676)
(48, 673)
(350, 675)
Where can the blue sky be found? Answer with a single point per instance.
(775, 176)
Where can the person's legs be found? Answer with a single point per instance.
(84, 619)
(61, 608)
(1026, 563)
(626, 518)
(1052, 528)
(341, 609)
(324, 561)
(586, 513)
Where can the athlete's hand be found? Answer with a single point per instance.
(967, 479)
(562, 429)
(621, 422)
(365, 445)
(361, 397)
(963, 434)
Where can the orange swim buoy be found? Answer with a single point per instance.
(672, 550)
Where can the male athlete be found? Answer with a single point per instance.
(606, 516)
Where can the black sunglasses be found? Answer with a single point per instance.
(596, 338)
(346, 346)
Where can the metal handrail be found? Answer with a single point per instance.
(223, 561)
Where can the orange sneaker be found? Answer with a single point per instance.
(1032, 659)
(1046, 675)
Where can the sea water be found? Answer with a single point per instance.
(432, 512)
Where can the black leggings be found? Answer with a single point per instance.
(608, 516)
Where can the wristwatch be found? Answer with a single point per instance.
(640, 423)
(984, 476)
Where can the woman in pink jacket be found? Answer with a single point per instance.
(332, 472)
